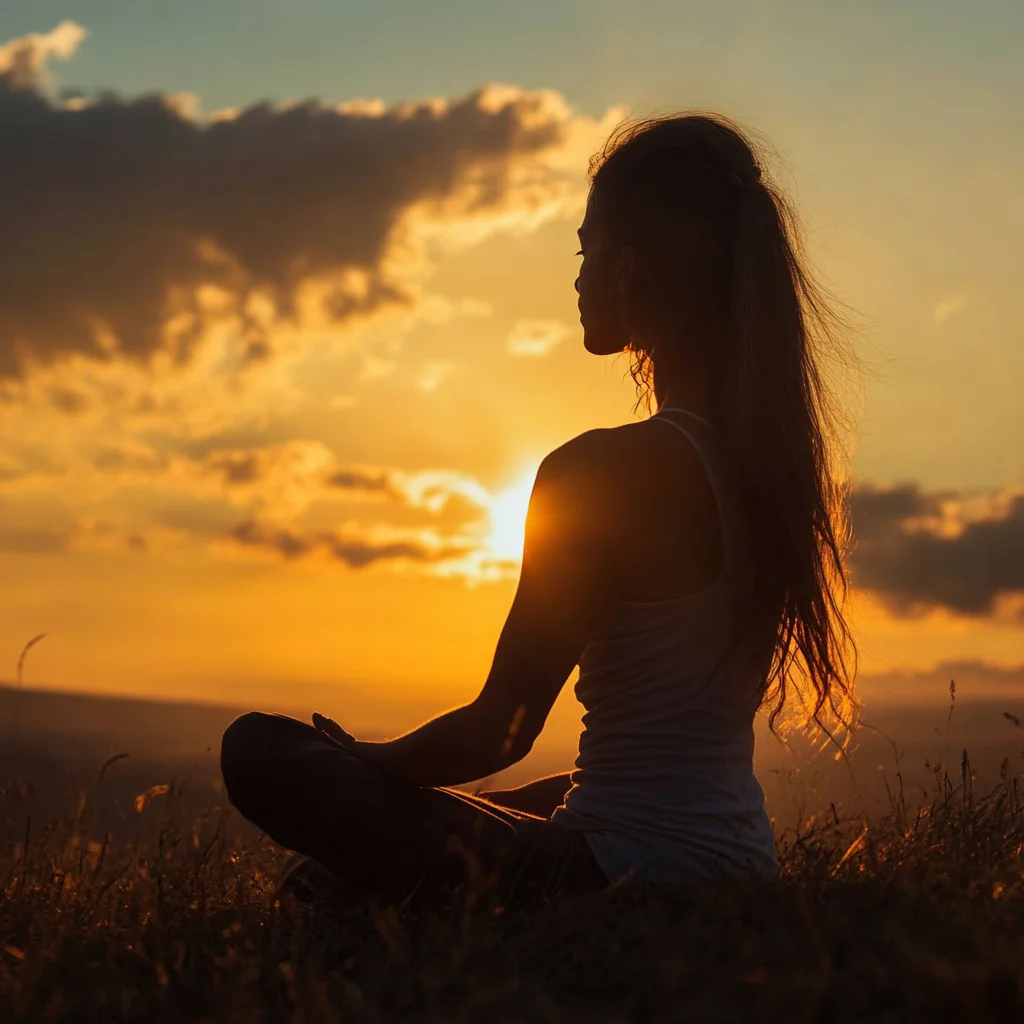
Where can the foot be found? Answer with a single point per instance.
(307, 881)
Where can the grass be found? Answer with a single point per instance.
(917, 914)
(914, 915)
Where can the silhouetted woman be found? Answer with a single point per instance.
(691, 564)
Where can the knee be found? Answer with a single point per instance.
(245, 753)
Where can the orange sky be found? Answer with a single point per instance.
(317, 522)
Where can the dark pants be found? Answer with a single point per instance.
(382, 837)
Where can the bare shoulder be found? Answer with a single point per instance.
(607, 456)
(639, 495)
(601, 479)
(631, 474)
(581, 454)
(588, 464)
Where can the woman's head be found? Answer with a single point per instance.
(692, 264)
(658, 241)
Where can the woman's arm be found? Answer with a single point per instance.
(459, 746)
(539, 797)
(562, 588)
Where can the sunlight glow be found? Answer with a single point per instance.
(508, 519)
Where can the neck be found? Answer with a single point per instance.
(692, 392)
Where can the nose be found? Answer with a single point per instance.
(576, 285)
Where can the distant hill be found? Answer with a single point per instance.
(89, 725)
(58, 741)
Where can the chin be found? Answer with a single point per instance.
(602, 343)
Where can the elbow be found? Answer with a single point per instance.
(513, 754)
(519, 735)
(506, 736)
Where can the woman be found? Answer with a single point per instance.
(691, 564)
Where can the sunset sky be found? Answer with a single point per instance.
(287, 321)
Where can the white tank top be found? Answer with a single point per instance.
(664, 786)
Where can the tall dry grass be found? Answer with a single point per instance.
(916, 913)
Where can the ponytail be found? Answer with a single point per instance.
(783, 426)
(689, 193)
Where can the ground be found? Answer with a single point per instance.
(916, 914)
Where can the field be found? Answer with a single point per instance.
(143, 901)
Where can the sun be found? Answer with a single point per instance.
(508, 519)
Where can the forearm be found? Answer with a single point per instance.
(452, 749)
(539, 797)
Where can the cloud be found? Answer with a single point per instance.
(362, 478)
(456, 542)
(280, 481)
(442, 493)
(32, 540)
(917, 549)
(127, 496)
(289, 477)
(287, 487)
(355, 546)
(974, 679)
(67, 400)
(532, 338)
(85, 535)
(23, 61)
(131, 228)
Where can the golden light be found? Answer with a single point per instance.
(508, 519)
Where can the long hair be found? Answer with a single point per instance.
(724, 288)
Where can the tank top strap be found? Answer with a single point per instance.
(707, 443)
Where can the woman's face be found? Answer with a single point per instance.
(601, 284)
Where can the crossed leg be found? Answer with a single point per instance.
(310, 794)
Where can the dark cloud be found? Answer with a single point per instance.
(973, 678)
(116, 213)
(452, 499)
(354, 549)
(67, 400)
(238, 467)
(32, 540)
(917, 549)
(358, 552)
(875, 510)
(285, 541)
(362, 479)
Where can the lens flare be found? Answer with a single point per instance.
(508, 519)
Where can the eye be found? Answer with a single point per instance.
(580, 253)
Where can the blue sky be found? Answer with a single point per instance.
(599, 52)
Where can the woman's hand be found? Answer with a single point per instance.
(329, 727)
(539, 797)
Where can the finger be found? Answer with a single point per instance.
(331, 728)
(323, 723)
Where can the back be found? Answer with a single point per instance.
(664, 785)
